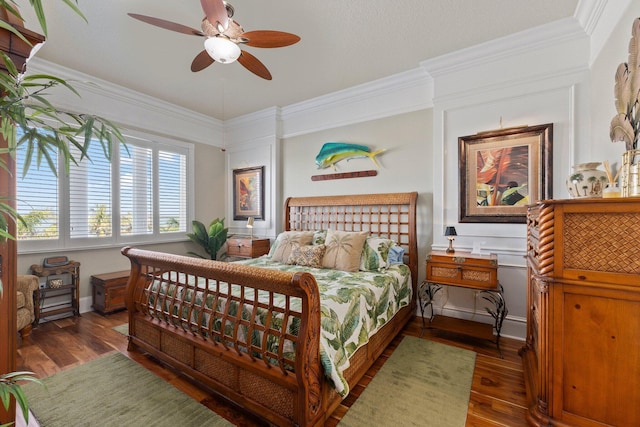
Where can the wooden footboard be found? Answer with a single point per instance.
(222, 347)
(270, 366)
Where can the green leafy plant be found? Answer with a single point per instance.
(46, 130)
(9, 387)
(211, 239)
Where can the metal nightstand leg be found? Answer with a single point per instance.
(499, 313)
(429, 290)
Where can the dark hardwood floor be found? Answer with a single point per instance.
(497, 393)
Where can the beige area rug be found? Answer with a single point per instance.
(116, 391)
(423, 383)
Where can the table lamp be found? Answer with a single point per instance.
(250, 225)
(450, 232)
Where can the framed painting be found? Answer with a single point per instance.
(248, 193)
(502, 171)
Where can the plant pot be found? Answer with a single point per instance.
(586, 181)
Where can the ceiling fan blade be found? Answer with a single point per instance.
(201, 61)
(215, 12)
(167, 25)
(269, 38)
(252, 64)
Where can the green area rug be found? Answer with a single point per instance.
(423, 383)
(115, 391)
(123, 329)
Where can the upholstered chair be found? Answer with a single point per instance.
(26, 286)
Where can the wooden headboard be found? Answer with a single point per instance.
(390, 215)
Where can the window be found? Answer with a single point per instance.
(142, 195)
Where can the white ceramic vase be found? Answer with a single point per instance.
(586, 181)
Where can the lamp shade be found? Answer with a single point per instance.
(250, 222)
(222, 50)
(450, 231)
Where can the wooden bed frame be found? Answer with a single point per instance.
(218, 360)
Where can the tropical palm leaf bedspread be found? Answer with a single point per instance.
(354, 306)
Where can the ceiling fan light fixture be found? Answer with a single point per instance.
(222, 50)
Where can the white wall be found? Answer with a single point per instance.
(404, 167)
(615, 50)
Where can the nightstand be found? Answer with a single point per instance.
(466, 270)
(246, 247)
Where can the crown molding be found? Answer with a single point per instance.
(543, 36)
(252, 127)
(599, 19)
(128, 108)
(397, 94)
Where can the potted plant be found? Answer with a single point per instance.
(46, 130)
(625, 125)
(210, 239)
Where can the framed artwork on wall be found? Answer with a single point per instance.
(504, 170)
(248, 193)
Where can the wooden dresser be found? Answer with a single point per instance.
(582, 354)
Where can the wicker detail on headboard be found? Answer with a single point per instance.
(391, 216)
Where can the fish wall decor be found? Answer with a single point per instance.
(333, 152)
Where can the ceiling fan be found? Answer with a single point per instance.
(223, 37)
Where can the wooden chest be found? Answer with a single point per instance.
(245, 247)
(463, 269)
(109, 291)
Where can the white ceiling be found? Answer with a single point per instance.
(343, 44)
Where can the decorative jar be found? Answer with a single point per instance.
(586, 181)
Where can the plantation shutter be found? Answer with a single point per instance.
(37, 200)
(90, 195)
(136, 190)
(172, 191)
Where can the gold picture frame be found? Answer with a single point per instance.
(248, 193)
(502, 171)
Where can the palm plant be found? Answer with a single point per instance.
(211, 239)
(46, 131)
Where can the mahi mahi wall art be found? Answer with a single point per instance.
(334, 152)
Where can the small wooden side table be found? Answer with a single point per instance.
(246, 247)
(70, 288)
(466, 270)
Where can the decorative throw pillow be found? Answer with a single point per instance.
(375, 254)
(286, 242)
(396, 254)
(344, 249)
(309, 256)
(319, 237)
